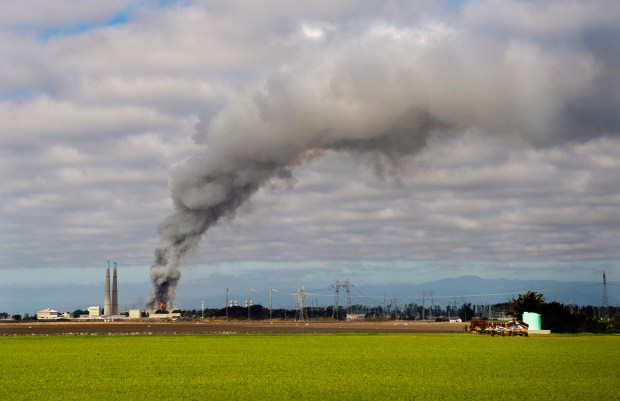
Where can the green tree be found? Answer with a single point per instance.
(466, 312)
(78, 312)
(528, 302)
(558, 318)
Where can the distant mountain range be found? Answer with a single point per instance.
(478, 290)
(458, 290)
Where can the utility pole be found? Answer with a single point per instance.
(384, 303)
(605, 311)
(270, 304)
(431, 315)
(202, 309)
(423, 303)
(396, 316)
(249, 303)
(226, 304)
(464, 309)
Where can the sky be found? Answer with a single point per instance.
(380, 142)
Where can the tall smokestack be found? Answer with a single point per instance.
(107, 309)
(114, 292)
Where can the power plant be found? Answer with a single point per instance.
(114, 293)
(107, 308)
(110, 308)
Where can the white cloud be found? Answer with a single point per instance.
(423, 35)
(312, 32)
(95, 118)
(555, 17)
(43, 120)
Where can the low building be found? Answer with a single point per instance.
(169, 315)
(135, 313)
(45, 314)
(94, 311)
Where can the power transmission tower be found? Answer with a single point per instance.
(301, 313)
(336, 287)
(431, 315)
(423, 303)
(605, 311)
(270, 304)
(396, 315)
(347, 286)
(455, 310)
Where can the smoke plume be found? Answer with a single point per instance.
(379, 95)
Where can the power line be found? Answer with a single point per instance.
(354, 294)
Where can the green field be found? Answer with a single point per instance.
(320, 367)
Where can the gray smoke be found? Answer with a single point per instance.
(381, 96)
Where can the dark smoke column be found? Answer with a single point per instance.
(208, 187)
(201, 195)
(264, 137)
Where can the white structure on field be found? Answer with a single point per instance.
(94, 311)
(46, 314)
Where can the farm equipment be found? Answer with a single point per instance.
(512, 328)
(515, 328)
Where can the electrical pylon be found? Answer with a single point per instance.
(347, 287)
(348, 306)
(301, 313)
(336, 286)
(605, 311)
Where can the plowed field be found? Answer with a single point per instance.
(221, 327)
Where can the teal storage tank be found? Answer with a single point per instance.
(533, 320)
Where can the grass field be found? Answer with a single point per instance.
(320, 367)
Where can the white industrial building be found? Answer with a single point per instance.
(48, 313)
(94, 311)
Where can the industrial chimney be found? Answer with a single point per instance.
(114, 293)
(107, 309)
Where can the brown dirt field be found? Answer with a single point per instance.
(146, 326)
